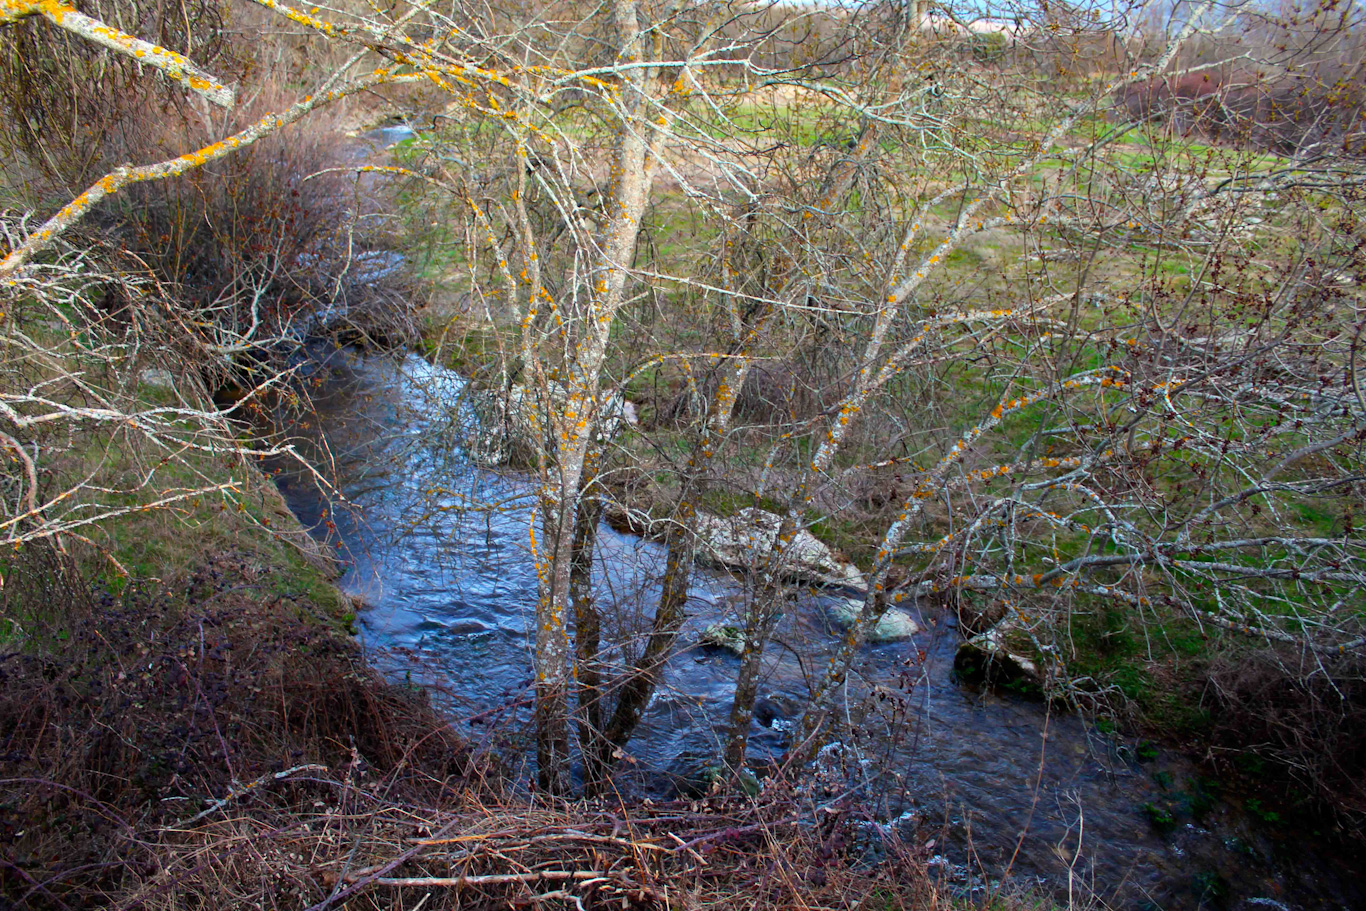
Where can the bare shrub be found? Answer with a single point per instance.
(65, 137)
(252, 245)
(1304, 97)
(773, 393)
(1288, 115)
(1303, 714)
(341, 848)
(122, 715)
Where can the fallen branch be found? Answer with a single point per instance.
(235, 793)
(121, 177)
(491, 879)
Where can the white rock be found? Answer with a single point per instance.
(745, 539)
(156, 376)
(894, 626)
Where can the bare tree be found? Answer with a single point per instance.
(1143, 481)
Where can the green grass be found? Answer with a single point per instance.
(805, 122)
(148, 546)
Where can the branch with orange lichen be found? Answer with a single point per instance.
(123, 176)
(175, 66)
(388, 42)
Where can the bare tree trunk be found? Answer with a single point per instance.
(552, 648)
(587, 639)
(681, 543)
(762, 617)
(587, 338)
(640, 683)
(810, 728)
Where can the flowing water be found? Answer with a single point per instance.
(450, 592)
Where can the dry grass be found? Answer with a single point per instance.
(357, 849)
(217, 744)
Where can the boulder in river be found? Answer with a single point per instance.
(895, 624)
(725, 635)
(745, 539)
(998, 656)
(777, 712)
(695, 775)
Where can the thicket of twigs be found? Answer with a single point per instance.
(1310, 111)
(136, 348)
(475, 852)
(1300, 718)
(214, 746)
(250, 245)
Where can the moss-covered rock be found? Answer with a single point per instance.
(726, 636)
(995, 656)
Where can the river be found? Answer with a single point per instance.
(437, 549)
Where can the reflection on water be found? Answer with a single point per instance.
(451, 592)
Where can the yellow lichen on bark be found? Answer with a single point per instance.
(176, 66)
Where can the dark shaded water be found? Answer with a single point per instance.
(450, 591)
